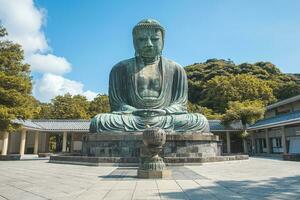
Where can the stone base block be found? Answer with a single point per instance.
(44, 155)
(151, 174)
(291, 157)
(10, 157)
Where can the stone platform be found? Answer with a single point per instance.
(131, 145)
(134, 161)
(128, 150)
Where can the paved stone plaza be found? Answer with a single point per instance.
(256, 178)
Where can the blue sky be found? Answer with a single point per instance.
(94, 35)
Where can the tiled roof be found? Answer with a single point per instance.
(81, 125)
(289, 118)
(27, 124)
(63, 125)
(283, 102)
(216, 125)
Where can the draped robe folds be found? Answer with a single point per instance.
(123, 95)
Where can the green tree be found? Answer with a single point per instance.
(199, 73)
(220, 90)
(44, 111)
(208, 113)
(100, 104)
(69, 107)
(246, 112)
(16, 101)
(287, 90)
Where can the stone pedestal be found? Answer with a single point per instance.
(128, 145)
(151, 174)
(153, 165)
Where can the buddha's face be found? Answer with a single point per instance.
(148, 42)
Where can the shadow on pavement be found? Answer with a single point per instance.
(274, 188)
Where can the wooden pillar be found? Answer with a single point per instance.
(72, 142)
(5, 144)
(22, 142)
(47, 147)
(228, 142)
(245, 145)
(64, 147)
(253, 148)
(283, 140)
(267, 141)
(36, 142)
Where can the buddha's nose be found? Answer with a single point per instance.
(149, 43)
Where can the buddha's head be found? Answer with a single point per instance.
(148, 38)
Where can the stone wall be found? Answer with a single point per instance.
(131, 145)
(191, 149)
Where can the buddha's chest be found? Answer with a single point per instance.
(149, 81)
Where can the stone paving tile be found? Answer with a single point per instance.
(119, 194)
(146, 185)
(172, 194)
(13, 193)
(142, 194)
(104, 185)
(193, 190)
(168, 185)
(184, 173)
(217, 190)
(122, 173)
(129, 185)
(92, 195)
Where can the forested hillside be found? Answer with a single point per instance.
(216, 82)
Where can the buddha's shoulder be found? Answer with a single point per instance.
(173, 64)
(124, 64)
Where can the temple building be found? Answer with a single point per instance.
(279, 131)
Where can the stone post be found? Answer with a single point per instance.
(283, 140)
(267, 141)
(228, 142)
(36, 142)
(22, 142)
(65, 137)
(5, 144)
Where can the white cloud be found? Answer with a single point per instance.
(49, 63)
(24, 21)
(90, 95)
(51, 85)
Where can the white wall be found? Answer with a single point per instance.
(1, 143)
(294, 145)
(14, 142)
